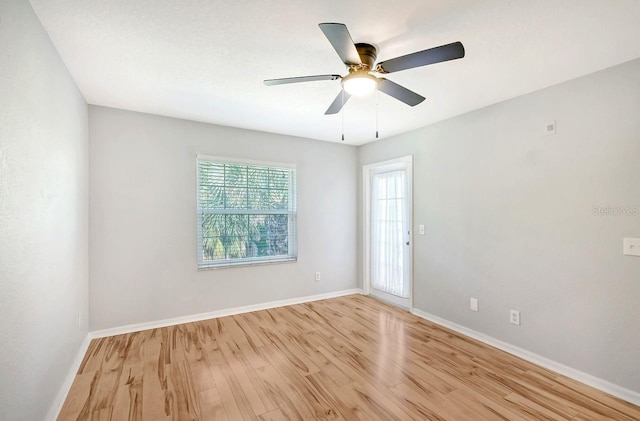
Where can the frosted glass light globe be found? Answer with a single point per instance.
(359, 83)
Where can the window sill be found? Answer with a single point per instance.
(227, 265)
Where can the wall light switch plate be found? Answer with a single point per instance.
(473, 304)
(631, 246)
(421, 229)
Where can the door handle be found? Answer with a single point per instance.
(407, 243)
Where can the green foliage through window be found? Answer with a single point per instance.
(245, 213)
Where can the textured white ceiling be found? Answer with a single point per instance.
(205, 60)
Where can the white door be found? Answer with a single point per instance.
(389, 231)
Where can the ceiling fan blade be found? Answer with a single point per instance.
(339, 37)
(422, 58)
(399, 92)
(338, 103)
(283, 81)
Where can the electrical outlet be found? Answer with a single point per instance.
(515, 317)
(79, 320)
(473, 304)
(317, 276)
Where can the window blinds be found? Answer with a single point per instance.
(246, 212)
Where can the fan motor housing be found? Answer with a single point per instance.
(368, 54)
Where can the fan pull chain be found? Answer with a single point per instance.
(342, 114)
(377, 113)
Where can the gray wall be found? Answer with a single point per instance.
(43, 216)
(509, 220)
(143, 219)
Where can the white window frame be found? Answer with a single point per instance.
(291, 211)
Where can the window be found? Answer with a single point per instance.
(246, 212)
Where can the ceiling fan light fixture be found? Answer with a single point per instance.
(359, 83)
(361, 58)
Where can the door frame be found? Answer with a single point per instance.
(366, 226)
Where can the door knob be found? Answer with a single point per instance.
(407, 243)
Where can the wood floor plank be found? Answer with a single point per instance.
(290, 402)
(482, 407)
(200, 375)
(128, 400)
(345, 358)
(292, 382)
(156, 400)
(103, 395)
(252, 384)
(606, 403)
(324, 385)
(420, 402)
(76, 405)
(242, 377)
(184, 397)
(211, 406)
(234, 399)
(275, 415)
(94, 356)
(364, 399)
(105, 414)
(535, 410)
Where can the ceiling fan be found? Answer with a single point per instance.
(360, 60)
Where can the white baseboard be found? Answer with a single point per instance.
(598, 383)
(55, 408)
(218, 313)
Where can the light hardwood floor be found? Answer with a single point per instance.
(343, 358)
